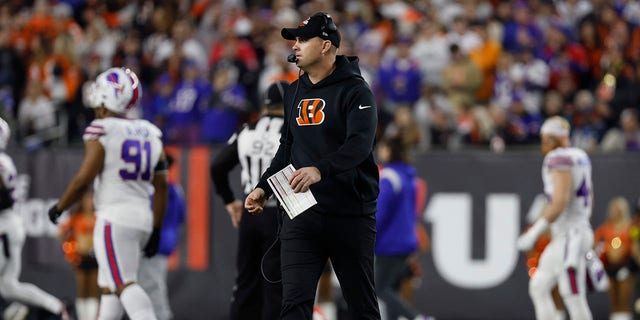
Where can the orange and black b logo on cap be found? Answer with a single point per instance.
(310, 112)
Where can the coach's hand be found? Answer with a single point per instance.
(235, 212)
(151, 248)
(303, 178)
(255, 201)
(54, 214)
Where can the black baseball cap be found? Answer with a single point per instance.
(275, 92)
(318, 25)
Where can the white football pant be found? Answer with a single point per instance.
(563, 263)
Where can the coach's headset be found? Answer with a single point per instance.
(328, 25)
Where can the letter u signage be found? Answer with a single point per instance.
(450, 217)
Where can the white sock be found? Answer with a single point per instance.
(80, 309)
(32, 295)
(560, 315)
(577, 307)
(137, 303)
(620, 316)
(329, 310)
(91, 308)
(110, 308)
(15, 311)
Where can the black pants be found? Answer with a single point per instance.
(253, 296)
(306, 243)
(389, 274)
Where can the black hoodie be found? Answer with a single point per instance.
(336, 134)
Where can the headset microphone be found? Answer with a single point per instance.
(292, 58)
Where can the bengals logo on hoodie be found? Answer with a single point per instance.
(310, 112)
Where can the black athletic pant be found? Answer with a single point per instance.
(253, 296)
(390, 270)
(306, 243)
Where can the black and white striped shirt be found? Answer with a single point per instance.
(253, 147)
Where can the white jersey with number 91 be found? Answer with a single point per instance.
(578, 211)
(124, 187)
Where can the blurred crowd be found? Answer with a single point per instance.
(447, 74)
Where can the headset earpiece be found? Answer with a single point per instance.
(328, 24)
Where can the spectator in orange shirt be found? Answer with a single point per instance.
(77, 237)
(41, 21)
(53, 63)
(486, 57)
(614, 242)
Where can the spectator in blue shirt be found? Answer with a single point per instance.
(187, 105)
(399, 76)
(396, 239)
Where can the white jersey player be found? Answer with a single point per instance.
(125, 161)
(566, 174)
(12, 237)
(578, 210)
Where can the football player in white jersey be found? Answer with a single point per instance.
(125, 161)
(566, 174)
(12, 237)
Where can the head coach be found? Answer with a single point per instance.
(328, 137)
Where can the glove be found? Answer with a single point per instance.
(526, 241)
(54, 214)
(151, 248)
(6, 200)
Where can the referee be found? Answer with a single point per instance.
(257, 292)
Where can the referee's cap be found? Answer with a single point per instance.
(275, 92)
